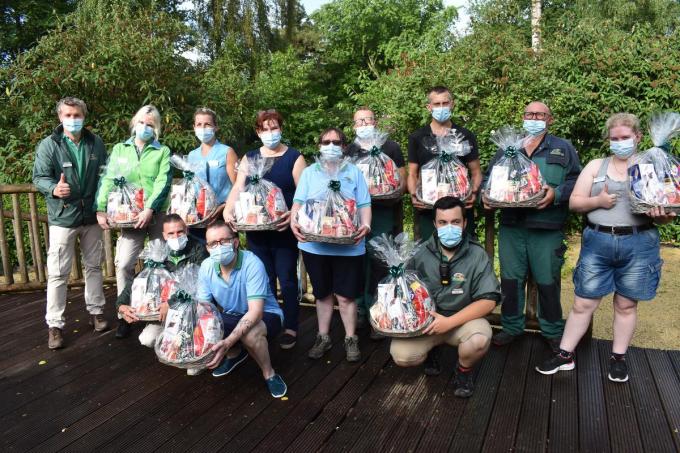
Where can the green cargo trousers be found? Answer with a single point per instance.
(521, 250)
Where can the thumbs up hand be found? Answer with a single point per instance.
(606, 200)
(62, 190)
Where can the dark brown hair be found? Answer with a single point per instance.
(343, 137)
(267, 115)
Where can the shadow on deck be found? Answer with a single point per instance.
(108, 395)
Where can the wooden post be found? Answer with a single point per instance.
(19, 238)
(108, 254)
(39, 262)
(4, 250)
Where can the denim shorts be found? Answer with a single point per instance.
(629, 265)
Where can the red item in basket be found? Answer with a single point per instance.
(273, 210)
(166, 290)
(534, 179)
(200, 203)
(351, 207)
(199, 340)
(139, 199)
(389, 173)
(420, 295)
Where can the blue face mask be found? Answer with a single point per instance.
(271, 139)
(441, 114)
(224, 254)
(73, 125)
(534, 127)
(450, 235)
(364, 132)
(204, 134)
(143, 132)
(331, 151)
(623, 148)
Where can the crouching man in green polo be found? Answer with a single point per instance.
(464, 289)
(532, 239)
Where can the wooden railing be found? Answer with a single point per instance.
(20, 276)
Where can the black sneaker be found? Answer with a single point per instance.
(554, 344)
(556, 363)
(618, 370)
(462, 383)
(123, 330)
(432, 366)
(503, 338)
(287, 341)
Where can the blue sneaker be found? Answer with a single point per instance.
(276, 386)
(228, 364)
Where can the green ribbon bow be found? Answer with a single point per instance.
(375, 151)
(510, 151)
(445, 157)
(666, 147)
(182, 296)
(255, 179)
(188, 175)
(119, 182)
(334, 185)
(397, 271)
(153, 264)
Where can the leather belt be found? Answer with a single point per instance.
(620, 230)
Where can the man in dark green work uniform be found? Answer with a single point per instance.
(385, 212)
(459, 277)
(532, 239)
(66, 170)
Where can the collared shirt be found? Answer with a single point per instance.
(78, 157)
(212, 168)
(248, 281)
(313, 184)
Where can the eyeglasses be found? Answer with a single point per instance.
(215, 244)
(364, 121)
(328, 142)
(536, 115)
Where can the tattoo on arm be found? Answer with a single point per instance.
(245, 325)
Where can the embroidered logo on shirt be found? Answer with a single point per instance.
(458, 277)
(557, 152)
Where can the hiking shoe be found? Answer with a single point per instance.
(55, 340)
(352, 348)
(557, 362)
(503, 338)
(321, 345)
(276, 386)
(463, 384)
(228, 364)
(287, 341)
(123, 330)
(376, 336)
(618, 370)
(99, 322)
(432, 366)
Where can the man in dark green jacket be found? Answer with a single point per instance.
(184, 250)
(533, 238)
(460, 279)
(66, 170)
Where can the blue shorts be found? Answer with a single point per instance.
(271, 321)
(629, 265)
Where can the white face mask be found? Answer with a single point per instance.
(178, 243)
(364, 132)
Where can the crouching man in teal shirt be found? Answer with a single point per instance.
(237, 281)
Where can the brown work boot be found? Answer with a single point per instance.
(54, 338)
(100, 324)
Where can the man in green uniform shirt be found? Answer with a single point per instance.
(532, 239)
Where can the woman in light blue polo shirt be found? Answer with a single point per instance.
(336, 271)
(214, 162)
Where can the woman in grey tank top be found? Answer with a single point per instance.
(619, 250)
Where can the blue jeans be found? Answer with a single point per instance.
(629, 265)
(280, 261)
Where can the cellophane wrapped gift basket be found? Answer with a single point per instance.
(445, 174)
(260, 205)
(192, 198)
(154, 285)
(379, 170)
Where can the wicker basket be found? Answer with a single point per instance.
(149, 318)
(122, 225)
(388, 196)
(528, 203)
(253, 227)
(346, 240)
(638, 206)
(415, 333)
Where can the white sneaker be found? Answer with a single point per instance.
(148, 336)
(194, 371)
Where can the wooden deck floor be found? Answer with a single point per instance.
(102, 394)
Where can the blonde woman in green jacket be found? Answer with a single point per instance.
(147, 164)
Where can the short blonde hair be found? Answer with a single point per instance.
(622, 119)
(155, 115)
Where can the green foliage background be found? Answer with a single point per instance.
(117, 55)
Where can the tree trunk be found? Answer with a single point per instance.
(536, 26)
